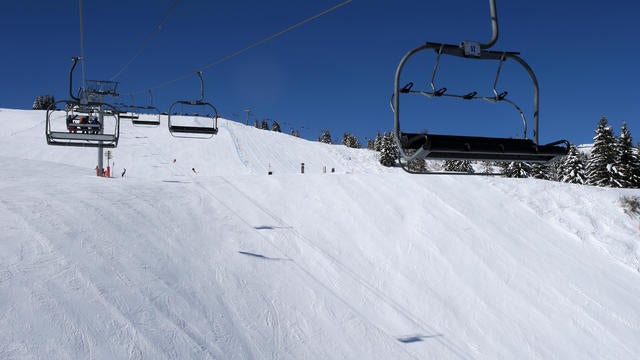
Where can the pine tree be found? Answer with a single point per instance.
(325, 137)
(449, 165)
(370, 144)
(351, 141)
(457, 165)
(388, 150)
(603, 156)
(377, 143)
(275, 127)
(37, 103)
(572, 168)
(517, 169)
(626, 168)
(417, 165)
(487, 167)
(539, 171)
(552, 168)
(48, 101)
(636, 151)
(264, 125)
(355, 142)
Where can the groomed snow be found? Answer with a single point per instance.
(363, 263)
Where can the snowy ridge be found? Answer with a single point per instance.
(365, 263)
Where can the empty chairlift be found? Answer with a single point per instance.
(149, 116)
(422, 145)
(144, 116)
(196, 118)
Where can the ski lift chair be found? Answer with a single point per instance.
(127, 111)
(412, 145)
(150, 117)
(144, 116)
(82, 123)
(193, 124)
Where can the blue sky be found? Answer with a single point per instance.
(337, 71)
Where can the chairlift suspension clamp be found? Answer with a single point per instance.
(471, 48)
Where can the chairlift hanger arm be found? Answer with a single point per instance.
(75, 62)
(199, 73)
(494, 25)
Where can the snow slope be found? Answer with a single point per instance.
(364, 263)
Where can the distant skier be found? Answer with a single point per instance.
(194, 170)
(124, 171)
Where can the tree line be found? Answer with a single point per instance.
(613, 161)
(43, 102)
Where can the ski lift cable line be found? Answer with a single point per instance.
(249, 47)
(147, 40)
(84, 85)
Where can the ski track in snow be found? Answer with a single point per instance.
(288, 235)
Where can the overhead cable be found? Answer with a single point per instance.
(147, 40)
(84, 85)
(265, 40)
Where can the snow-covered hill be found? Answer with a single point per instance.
(363, 263)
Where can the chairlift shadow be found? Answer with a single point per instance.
(269, 227)
(263, 257)
(417, 338)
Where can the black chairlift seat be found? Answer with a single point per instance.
(453, 147)
(193, 130)
(145, 122)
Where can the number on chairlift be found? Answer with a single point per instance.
(471, 48)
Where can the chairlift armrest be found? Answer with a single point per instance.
(407, 88)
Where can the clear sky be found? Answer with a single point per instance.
(336, 72)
